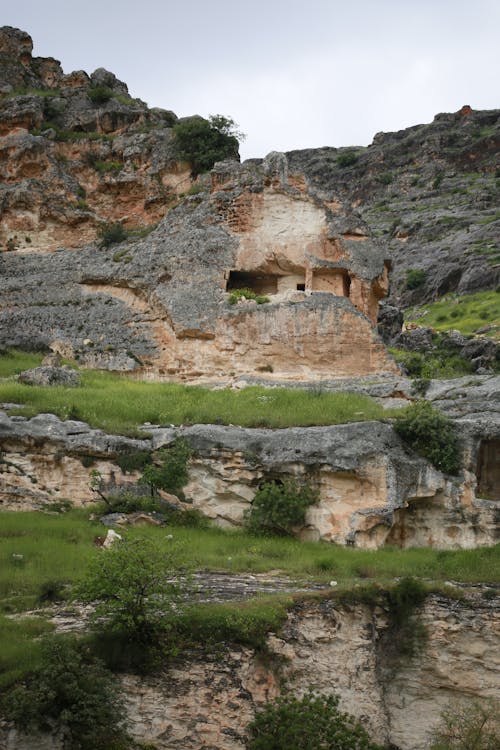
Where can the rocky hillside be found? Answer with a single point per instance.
(84, 166)
(432, 194)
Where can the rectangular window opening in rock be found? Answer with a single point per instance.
(257, 282)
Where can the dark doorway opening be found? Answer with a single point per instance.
(257, 282)
(488, 470)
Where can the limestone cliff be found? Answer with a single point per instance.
(203, 702)
(373, 490)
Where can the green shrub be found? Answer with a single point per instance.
(347, 159)
(431, 434)
(385, 178)
(169, 471)
(414, 364)
(71, 693)
(111, 234)
(313, 722)
(279, 508)
(203, 142)
(132, 589)
(237, 294)
(99, 94)
(415, 277)
(136, 461)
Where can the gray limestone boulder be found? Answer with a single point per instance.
(50, 375)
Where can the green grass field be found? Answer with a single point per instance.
(467, 313)
(45, 553)
(118, 404)
(56, 549)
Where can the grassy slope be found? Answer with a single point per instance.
(56, 549)
(467, 313)
(118, 404)
(46, 552)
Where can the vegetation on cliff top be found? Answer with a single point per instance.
(118, 404)
(470, 314)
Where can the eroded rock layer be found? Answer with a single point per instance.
(373, 491)
(205, 703)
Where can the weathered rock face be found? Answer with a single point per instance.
(77, 151)
(162, 303)
(372, 491)
(431, 193)
(206, 703)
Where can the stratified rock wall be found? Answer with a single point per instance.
(372, 491)
(205, 703)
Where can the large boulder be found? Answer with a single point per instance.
(48, 375)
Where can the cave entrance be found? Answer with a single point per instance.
(488, 470)
(257, 282)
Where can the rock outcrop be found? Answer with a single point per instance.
(203, 702)
(431, 193)
(77, 151)
(161, 304)
(373, 490)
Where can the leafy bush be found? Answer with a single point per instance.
(169, 471)
(431, 434)
(472, 726)
(110, 234)
(385, 179)
(203, 142)
(347, 159)
(279, 508)
(415, 277)
(72, 693)
(237, 294)
(99, 94)
(132, 588)
(313, 722)
(135, 461)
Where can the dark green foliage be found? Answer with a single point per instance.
(132, 588)
(420, 386)
(203, 142)
(405, 635)
(52, 591)
(347, 159)
(248, 623)
(438, 362)
(437, 180)
(415, 277)
(169, 471)
(279, 508)
(431, 434)
(99, 94)
(237, 294)
(385, 178)
(313, 722)
(110, 234)
(72, 693)
(129, 462)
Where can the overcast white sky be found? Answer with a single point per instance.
(293, 74)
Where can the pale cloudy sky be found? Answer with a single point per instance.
(292, 74)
